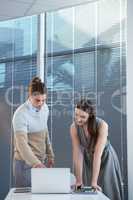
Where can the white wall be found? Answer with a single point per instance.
(130, 96)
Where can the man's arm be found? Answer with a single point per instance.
(21, 141)
(49, 151)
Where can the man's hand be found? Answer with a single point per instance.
(50, 163)
(40, 165)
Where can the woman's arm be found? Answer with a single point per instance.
(101, 141)
(77, 155)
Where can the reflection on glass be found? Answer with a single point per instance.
(61, 78)
(18, 37)
(111, 19)
(18, 47)
(60, 30)
(2, 75)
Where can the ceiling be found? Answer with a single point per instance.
(10, 9)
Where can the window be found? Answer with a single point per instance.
(85, 57)
(18, 51)
(2, 75)
(18, 64)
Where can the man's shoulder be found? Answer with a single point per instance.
(45, 108)
(21, 110)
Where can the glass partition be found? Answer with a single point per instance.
(18, 49)
(86, 56)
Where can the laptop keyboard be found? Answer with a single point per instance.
(85, 190)
(22, 190)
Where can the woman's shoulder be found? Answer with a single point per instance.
(73, 125)
(100, 122)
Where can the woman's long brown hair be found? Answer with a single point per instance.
(87, 106)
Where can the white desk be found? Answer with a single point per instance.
(28, 196)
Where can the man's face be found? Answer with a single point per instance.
(81, 117)
(38, 100)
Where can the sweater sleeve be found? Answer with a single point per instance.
(49, 149)
(21, 141)
(20, 128)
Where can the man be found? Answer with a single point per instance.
(31, 139)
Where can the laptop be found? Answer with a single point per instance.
(50, 180)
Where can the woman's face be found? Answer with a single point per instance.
(38, 100)
(81, 117)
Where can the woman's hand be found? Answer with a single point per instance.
(96, 187)
(78, 185)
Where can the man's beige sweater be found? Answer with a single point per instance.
(31, 137)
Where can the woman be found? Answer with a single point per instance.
(31, 139)
(95, 161)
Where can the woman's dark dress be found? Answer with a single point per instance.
(110, 174)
